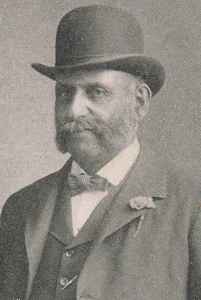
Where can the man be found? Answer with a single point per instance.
(113, 223)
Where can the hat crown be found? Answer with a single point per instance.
(101, 36)
(97, 30)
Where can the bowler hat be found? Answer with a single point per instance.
(101, 36)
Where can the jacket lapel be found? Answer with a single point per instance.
(90, 229)
(147, 178)
(39, 216)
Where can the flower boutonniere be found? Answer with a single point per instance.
(142, 202)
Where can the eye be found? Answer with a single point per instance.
(96, 92)
(64, 93)
(99, 91)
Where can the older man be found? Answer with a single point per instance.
(113, 223)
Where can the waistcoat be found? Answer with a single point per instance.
(64, 255)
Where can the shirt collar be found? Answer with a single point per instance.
(116, 169)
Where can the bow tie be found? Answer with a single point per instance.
(78, 183)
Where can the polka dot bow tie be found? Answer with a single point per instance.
(78, 183)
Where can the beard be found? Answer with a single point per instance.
(111, 136)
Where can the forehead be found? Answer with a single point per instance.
(106, 77)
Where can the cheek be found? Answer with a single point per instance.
(124, 118)
(119, 113)
(110, 112)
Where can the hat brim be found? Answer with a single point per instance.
(148, 68)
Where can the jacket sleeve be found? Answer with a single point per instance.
(194, 278)
(1, 257)
(7, 229)
(11, 226)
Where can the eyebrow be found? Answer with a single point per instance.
(98, 85)
(86, 85)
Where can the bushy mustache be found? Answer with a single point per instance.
(64, 129)
(109, 134)
(82, 124)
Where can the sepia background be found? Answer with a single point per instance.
(27, 34)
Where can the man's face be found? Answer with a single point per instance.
(95, 111)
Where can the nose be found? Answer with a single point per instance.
(79, 105)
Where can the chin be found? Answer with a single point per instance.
(85, 136)
(80, 139)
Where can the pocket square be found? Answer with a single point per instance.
(142, 202)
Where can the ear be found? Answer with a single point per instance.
(143, 95)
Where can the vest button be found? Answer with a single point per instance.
(63, 281)
(69, 253)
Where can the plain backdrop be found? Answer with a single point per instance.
(172, 34)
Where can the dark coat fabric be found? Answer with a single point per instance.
(151, 253)
(54, 264)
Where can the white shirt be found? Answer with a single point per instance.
(115, 171)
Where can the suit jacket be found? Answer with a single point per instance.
(138, 254)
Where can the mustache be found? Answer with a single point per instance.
(64, 129)
(79, 125)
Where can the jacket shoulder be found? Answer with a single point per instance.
(182, 179)
(21, 201)
(185, 188)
